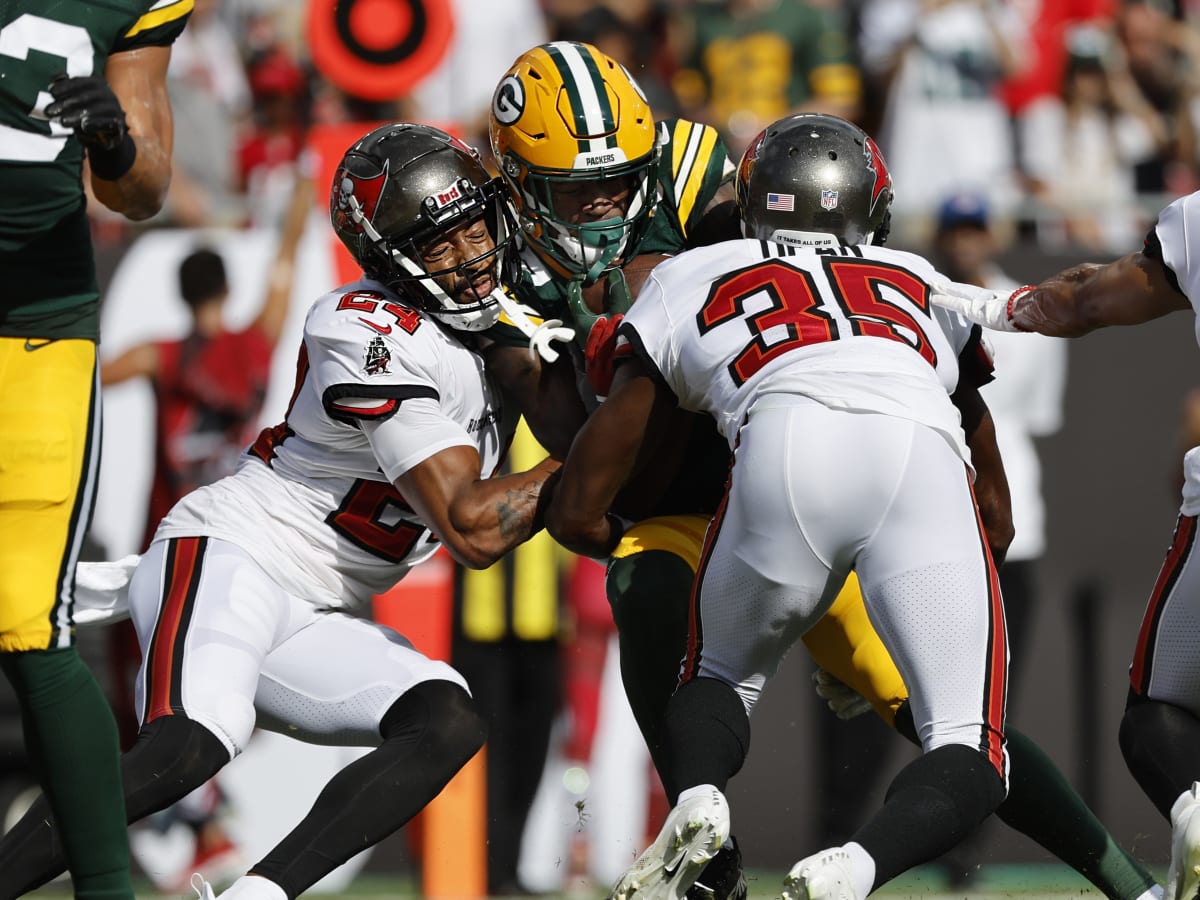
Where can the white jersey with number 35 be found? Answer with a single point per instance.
(380, 387)
(850, 327)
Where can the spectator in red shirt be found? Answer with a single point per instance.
(268, 155)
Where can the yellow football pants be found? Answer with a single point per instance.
(843, 643)
(49, 459)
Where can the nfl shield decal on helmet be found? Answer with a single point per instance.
(829, 199)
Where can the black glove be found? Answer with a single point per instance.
(88, 106)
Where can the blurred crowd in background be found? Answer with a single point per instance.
(1077, 118)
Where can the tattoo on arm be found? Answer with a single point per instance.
(516, 513)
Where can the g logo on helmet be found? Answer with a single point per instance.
(509, 100)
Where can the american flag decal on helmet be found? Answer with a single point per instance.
(784, 202)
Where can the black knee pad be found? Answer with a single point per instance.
(959, 777)
(649, 590)
(172, 756)
(438, 715)
(1158, 741)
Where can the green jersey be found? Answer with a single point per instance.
(694, 165)
(46, 262)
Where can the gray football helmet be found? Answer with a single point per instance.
(814, 180)
(401, 186)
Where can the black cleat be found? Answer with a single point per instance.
(723, 878)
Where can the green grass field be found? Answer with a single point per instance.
(996, 882)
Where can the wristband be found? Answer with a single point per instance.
(111, 164)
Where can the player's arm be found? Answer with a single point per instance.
(1129, 291)
(546, 393)
(477, 519)
(139, 79)
(617, 438)
(991, 483)
(123, 120)
(136, 362)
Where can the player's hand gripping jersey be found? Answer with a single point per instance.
(726, 325)
(380, 387)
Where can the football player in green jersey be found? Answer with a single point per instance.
(603, 191)
(81, 80)
(574, 138)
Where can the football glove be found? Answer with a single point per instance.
(991, 309)
(845, 702)
(600, 352)
(88, 106)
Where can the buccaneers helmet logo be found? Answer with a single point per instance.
(357, 198)
(746, 167)
(877, 167)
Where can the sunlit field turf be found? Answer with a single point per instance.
(996, 882)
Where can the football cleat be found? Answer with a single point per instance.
(694, 831)
(1183, 878)
(823, 876)
(723, 878)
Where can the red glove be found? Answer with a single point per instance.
(600, 351)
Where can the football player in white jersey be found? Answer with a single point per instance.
(829, 373)
(246, 602)
(1160, 731)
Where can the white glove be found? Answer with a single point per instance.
(991, 309)
(845, 702)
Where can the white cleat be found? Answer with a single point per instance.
(823, 876)
(202, 888)
(1183, 877)
(693, 833)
